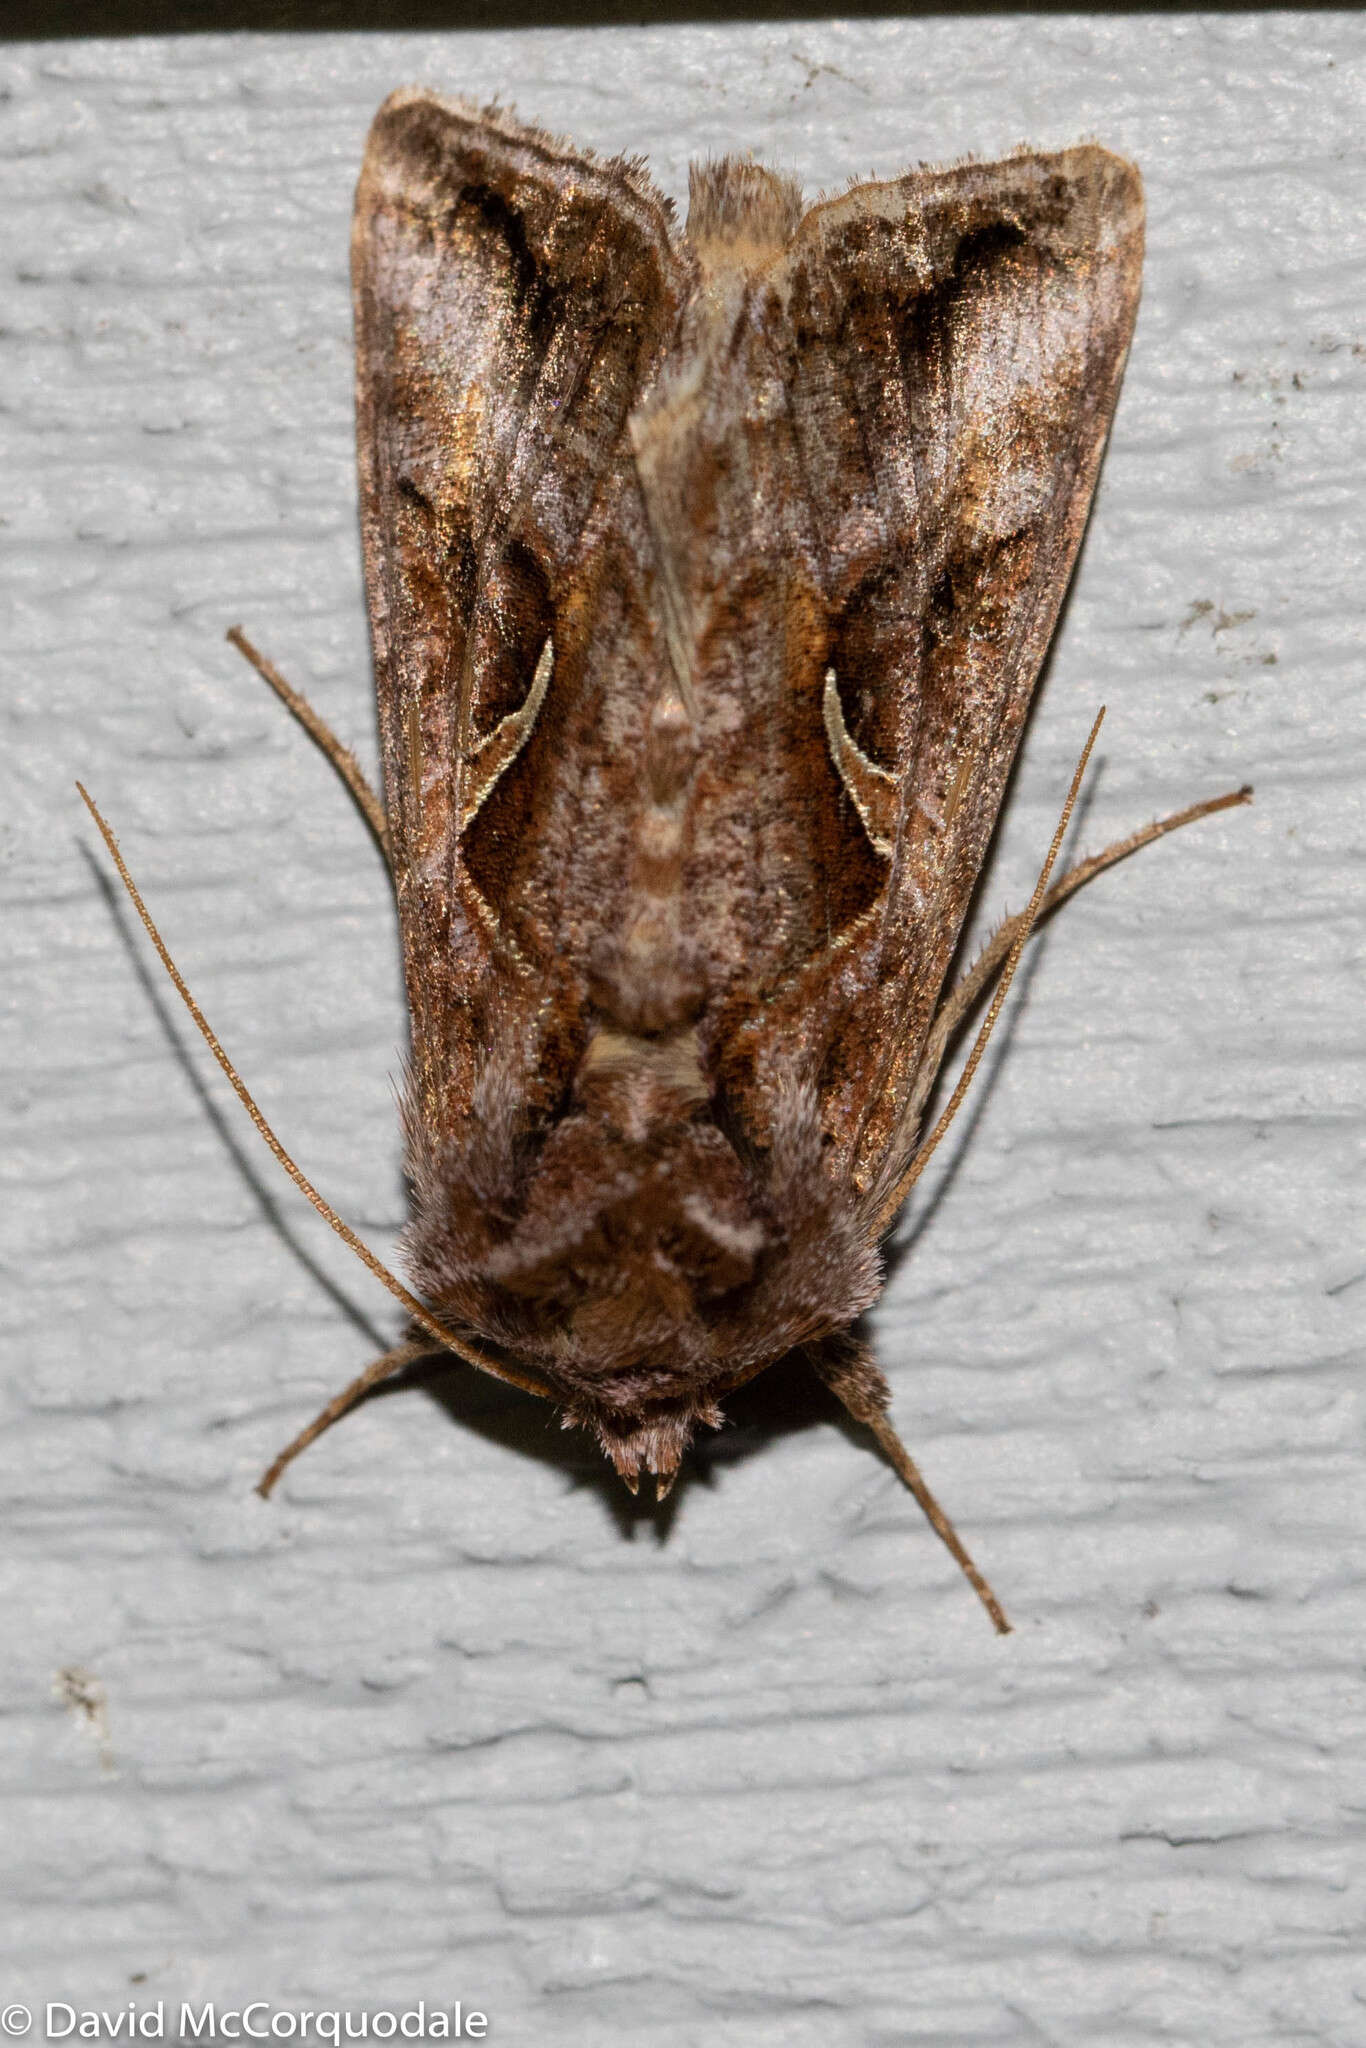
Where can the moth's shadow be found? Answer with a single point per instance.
(249, 1157)
(783, 1399)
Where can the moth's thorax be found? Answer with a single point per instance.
(625, 1232)
(639, 1218)
(628, 1251)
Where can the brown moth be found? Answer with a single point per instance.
(710, 574)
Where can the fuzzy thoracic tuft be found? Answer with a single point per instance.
(741, 204)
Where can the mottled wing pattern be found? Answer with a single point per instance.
(948, 348)
(511, 296)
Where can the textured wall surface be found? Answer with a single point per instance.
(451, 1718)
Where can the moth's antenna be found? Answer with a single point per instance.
(955, 1102)
(420, 1314)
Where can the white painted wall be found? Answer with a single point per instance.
(451, 1719)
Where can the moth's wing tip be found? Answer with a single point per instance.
(402, 96)
(418, 133)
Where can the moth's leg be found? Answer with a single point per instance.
(383, 1368)
(855, 1381)
(996, 965)
(886, 1200)
(342, 759)
(966, 993)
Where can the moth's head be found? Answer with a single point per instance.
(651, 1443)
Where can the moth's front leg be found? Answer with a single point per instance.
(848, 1369)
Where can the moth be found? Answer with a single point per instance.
(710, 573)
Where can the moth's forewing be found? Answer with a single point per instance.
(511, 300)
(972, 326)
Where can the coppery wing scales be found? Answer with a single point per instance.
(710, 576)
